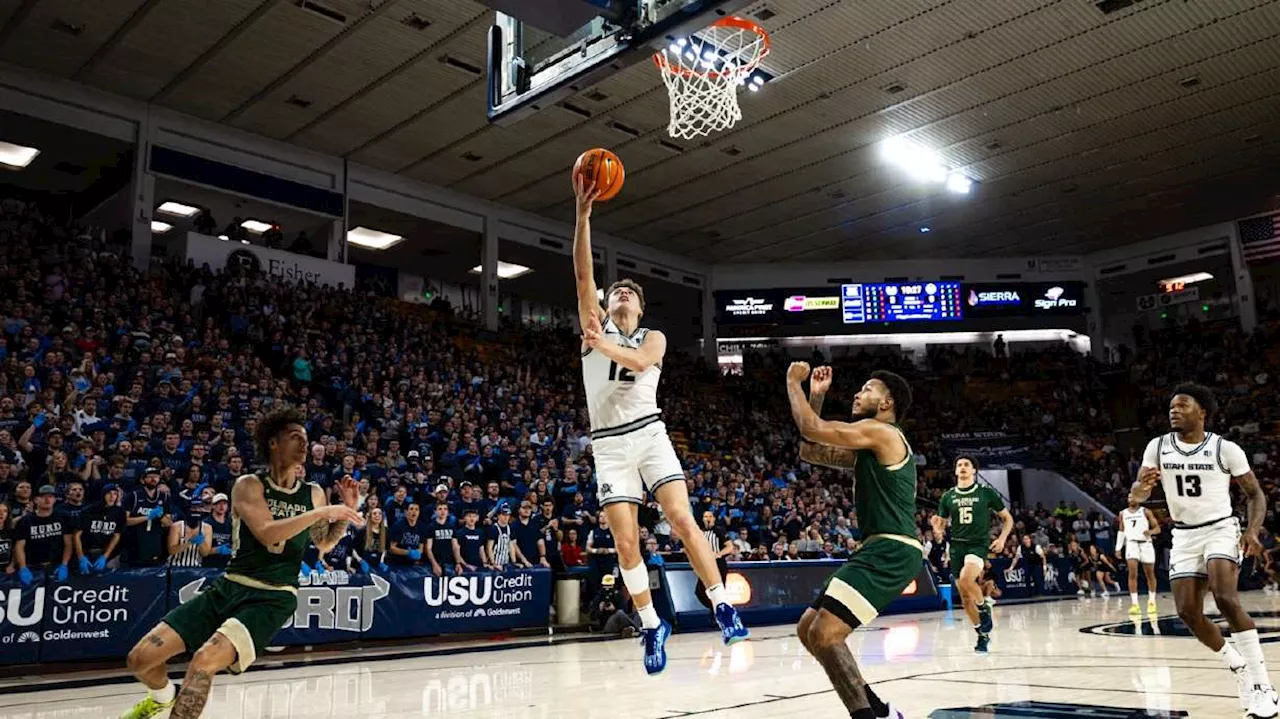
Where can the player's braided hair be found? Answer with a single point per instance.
(1202, 395)
(898, 389)
(272, 426)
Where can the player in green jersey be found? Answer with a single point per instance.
(884, 493)
(968, 507)
(273, 518)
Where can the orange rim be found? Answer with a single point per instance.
(659, 58)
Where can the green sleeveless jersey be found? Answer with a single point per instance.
(885, 496)
(276, 567)
(970, 512)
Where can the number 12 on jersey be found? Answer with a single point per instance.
(620, 374)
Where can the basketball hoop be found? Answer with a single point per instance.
(703, 75)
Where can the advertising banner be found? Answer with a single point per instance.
(21, 614)
(1014, 582)
(993, 450)
(1024, 299)
(422, 604)
(285, 267)
(100, 616)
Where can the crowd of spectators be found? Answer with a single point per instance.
(128, 402)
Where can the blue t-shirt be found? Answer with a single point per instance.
(408, 537)
(526, 537)
(442, 541)
(470, 540)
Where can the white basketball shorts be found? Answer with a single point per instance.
(1193, 548)
(1141, 552)
(628, 464)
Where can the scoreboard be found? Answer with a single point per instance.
(937, 304)
(900, 302)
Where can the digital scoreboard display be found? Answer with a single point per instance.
(901, 302)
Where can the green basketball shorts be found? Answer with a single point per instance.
(960, 550)
(872, 578)
(247, 616)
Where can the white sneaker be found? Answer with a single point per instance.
(1264, 705)
(1106, 594)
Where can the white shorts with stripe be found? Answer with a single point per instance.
(628, 464)
(1193, 548)
(1141, 552)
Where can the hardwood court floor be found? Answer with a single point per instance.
(1053, 660)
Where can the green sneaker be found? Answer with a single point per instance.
(147, 708)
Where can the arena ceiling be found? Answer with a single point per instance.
(1084, 129)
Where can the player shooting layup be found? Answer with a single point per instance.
(621, 363)
(1196, 468)
(884, 493)
(273, 517)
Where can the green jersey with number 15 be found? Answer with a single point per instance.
(970, 512)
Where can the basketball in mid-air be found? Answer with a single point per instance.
(602, 167)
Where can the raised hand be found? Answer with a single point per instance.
(820, 380)
(798, 372)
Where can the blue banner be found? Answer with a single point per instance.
(422, 604)
(21, 614)
(1015, 582)
(100, 616)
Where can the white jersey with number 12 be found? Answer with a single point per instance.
(617, 397)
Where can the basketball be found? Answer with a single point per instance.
(604, 169)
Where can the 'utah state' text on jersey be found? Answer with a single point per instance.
(619, 400)
(1196, 478)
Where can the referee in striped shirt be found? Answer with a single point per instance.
(718, 538)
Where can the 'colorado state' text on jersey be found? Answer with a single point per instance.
(1196, 478)
(885, 496)
(619, 400)
(970, 512)
(276, 566)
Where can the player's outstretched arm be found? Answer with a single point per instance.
(649, 353)
(326, 533)
(1149, 474)
(863, 434)
(251, 506)
(1153, 524)
(589, 309)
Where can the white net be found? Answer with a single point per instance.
(703, 75)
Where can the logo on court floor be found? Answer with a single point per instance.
(1172, 626)
(1052, 710)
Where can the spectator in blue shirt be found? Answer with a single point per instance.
(408, 539)
(469, 541)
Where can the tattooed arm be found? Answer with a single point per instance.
(1256, 503)
(324, 533)
(827, 456)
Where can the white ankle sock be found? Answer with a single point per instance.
(165, 695)
(648, 616)
(1249, 648)
(1230, 656)
(1133, 597)
(717, 595)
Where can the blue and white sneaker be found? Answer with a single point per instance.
(655, 647)
(731, 628)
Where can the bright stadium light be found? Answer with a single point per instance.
(159, 227)
(177, 209)
(1185, 280)
(255, 226)
(224, 238)
(959, 184)
(506, 270)
(16, 157)
(372, 239)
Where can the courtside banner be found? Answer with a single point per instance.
(21, 617)
(332, 606)
(422, 604)
(101, 615)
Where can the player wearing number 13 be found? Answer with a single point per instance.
(621, 363)
(274, 516)
(1196, 468)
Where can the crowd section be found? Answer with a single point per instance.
(128, 402)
